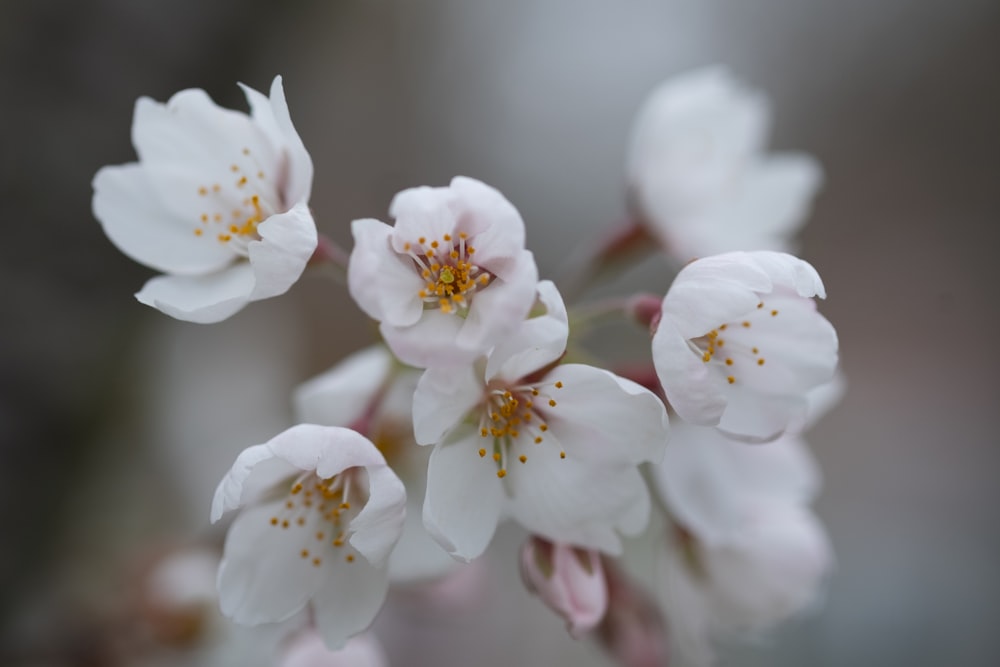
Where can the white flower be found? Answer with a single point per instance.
(321, 513)
(370, 392)
(740, 343)
(218, 202)
(450, 279)
(746, 552)
(554, 447)
(700, 175)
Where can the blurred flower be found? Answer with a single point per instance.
(568, 579)
(373, 394)
(308, 650)
(746, 552)
(575, 478)
(700, 175)
(218, 202)
(740, 344)
(322, 511)
(450, 279)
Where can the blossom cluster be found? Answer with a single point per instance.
(475, 407)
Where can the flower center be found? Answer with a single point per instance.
(235, 206)
(727, 346)
(450, 277)
(514, 417)
(317, 512)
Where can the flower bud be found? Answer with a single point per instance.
(568, 579)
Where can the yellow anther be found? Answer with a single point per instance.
(284, 523)
(434, 244)
(522, 458)
(274, 521)
(559, 385)
(552, 403)
(755, 350)
(216, 187)
(482, 452)
(421, 240)
(760, 362)
(496, 457)
(289, 504)
(543, 427)
(246, 151)
(349, 558)
(198, 232)
(731, 379)
(773, 313)
(446, 237)
(722, 327)
(746, 324)
(463, 235)
(501, 473)
(760, 305)
(729, 362)
(217, 217)
(203, 191)
(243, 181)
(316, 561)
(538, 439)
(707, 357)
(204, 217)
(406, 247)
(562, 455)
(234, 168)
(304, 553)
(301, 521)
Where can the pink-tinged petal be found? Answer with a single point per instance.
(383, 283)
(683, 596)
(148, 234)
(755, 417)
(261, 579)
(343, 394)
(790, 272)
(424, 212)
(605, 417)
(444, 396)
(349, 601)
(570, 581)
(714, 290)
(498, 309)
(308, 650)
(379, 524)
(202, 299)
(538, 342)
(707, 480)
(464, 496)
(287, 242)
(691, 386)
(272, 114)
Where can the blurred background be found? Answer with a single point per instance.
(105, 404)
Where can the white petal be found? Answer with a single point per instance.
(756, 417)
(349, 601)
(464, 497)
(203, 299)
(125, 205)
(499, 228)
(287, 241)
(538, 342)
(713, 291)
(691, 387)
(263, 579)
(380, 523)
(272, 115)
(308, 650)
(417, 555)
(429, 342)
(253, 475)
(384, 283)
(684, 600)
(444, 396)
(499, 309)
(605, 417)
(341, 395)
(427, 212)
(707, 480)
(327, 450)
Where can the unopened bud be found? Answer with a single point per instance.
(568, 579)
(646, 309)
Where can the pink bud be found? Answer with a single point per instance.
(308, 650)
(632, 631)
(569, 580)
(646, 309)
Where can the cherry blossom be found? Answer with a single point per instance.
(218, 202)
(373, 394)
(555, 447)
(321, 511)
(450, 279)
(699, 173)
(739, 344)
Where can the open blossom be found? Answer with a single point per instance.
(555, 447)
(700, 175)
(218, 202)
(740, 345)
(373, 394)
(450, 279)
(321, 511)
